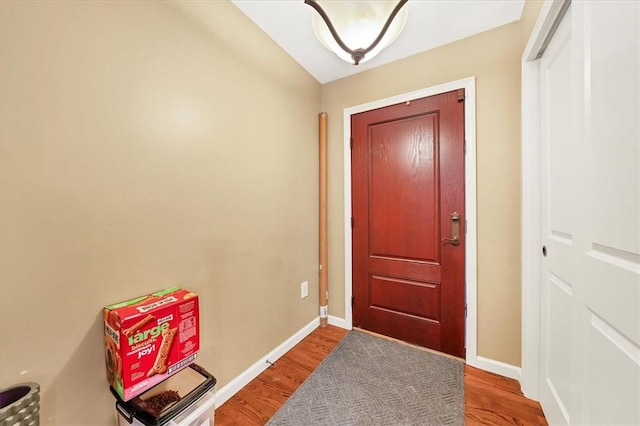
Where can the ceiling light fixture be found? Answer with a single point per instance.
(361, 23)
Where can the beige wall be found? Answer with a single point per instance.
(140, 150)
(493, 58)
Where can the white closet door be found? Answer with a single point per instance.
(559, 211)
(590, 335)
(609, 220)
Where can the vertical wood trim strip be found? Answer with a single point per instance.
(324, 270)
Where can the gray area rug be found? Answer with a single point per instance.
(368, 380)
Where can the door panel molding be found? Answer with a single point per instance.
(470, 200)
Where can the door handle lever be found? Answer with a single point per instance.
(455, 241)
(455, 230)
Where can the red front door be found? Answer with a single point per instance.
(408, 200)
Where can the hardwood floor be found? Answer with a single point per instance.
(489, 399)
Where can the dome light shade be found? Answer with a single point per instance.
(357, 31)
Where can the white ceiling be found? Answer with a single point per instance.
(430, 23)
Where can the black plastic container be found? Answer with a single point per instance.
(193, 383)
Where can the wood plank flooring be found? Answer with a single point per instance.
(489, 399)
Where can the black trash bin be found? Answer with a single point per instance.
(196, 406)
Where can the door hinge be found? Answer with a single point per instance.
(352, 222)
(353, 301)
(465, 310)
(460, 95)
(351, 142)
(465, 226)
(464, 147)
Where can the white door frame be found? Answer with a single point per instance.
(469, 85)
(550, 16)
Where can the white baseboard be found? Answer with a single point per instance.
(231, 388)
(497, 367)
(338, 322)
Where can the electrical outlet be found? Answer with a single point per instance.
(304, 289)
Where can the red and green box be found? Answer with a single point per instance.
(150, 338)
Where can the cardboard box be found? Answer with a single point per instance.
(150, 338)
